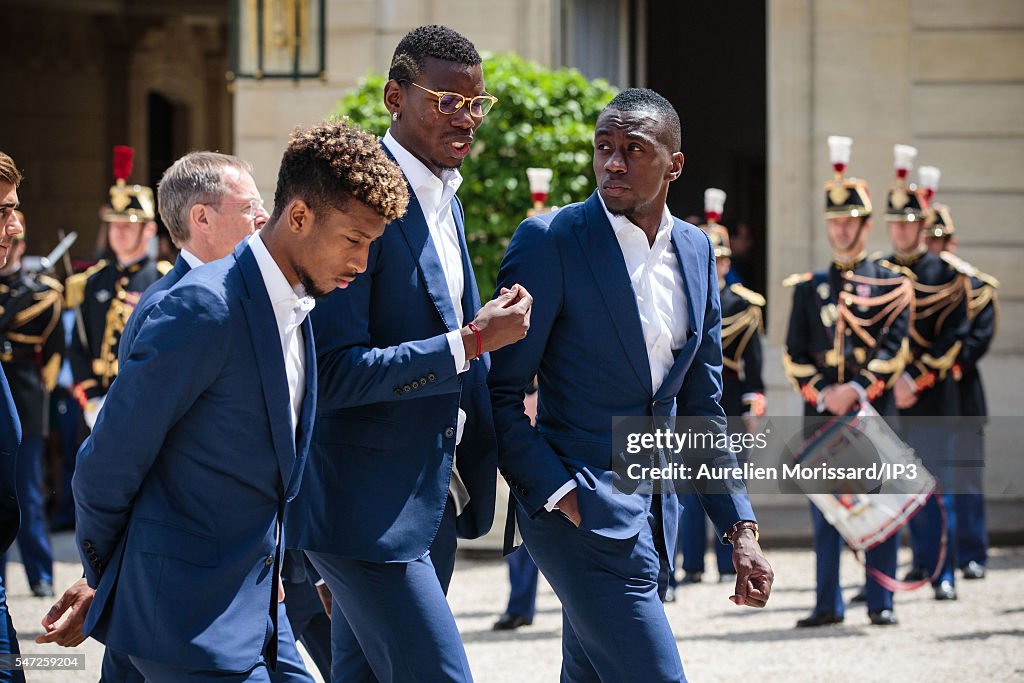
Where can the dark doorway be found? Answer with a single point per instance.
(167, 135)
(710, 60)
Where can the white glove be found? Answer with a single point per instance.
(92, 411)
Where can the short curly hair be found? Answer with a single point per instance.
(643, 99)
(439, 42)
(332, 162)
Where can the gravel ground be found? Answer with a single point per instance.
(977, 638)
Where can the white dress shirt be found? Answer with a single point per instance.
(291, 306)
(660, 299)
(435, 199)
(191, 259)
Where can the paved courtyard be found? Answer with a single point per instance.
(978, 638)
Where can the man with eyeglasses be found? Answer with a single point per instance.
(403, 460)
(105, 295)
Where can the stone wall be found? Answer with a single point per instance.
(943, 75)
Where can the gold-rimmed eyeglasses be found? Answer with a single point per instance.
(451, 102)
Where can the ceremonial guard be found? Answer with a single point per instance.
(742, 386)
(31, 346)
(105, 295)
(926, 394)
(983, 318)
(843, 348)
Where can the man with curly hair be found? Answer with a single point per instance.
(180, 490)
(404, 458)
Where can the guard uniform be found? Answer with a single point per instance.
(969, 449)
(105, 295)
(934, 342)
(31, 348)
(848, 324)
(742, 387)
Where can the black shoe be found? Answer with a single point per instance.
(861, 596)
(826, 619)
(693, 577)
(670, 594)
(945, 591)
(973, 570)
(884, 617)
(508, 622)
(914, 575)
(43, 589)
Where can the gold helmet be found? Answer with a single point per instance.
(714, 203)
(905, 203)
(132, 203)
(844, 196)
(939, 222)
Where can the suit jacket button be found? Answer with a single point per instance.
(407, 388)
(449, 433)
(423, 381)
(87, 544)
(431, 377)
(269, 561)
(398, 391)
(415, 384)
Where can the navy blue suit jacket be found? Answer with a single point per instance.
(388, 407)
(587, 348)
(145, 303)
(10, 442)
(180, 488)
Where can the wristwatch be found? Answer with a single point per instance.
(734, 531)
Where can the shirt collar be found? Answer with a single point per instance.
(621, 224)
(191, 259)
(420, 178)
(278, 289)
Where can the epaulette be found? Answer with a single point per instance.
(749, 295)
(987, 279)
(796, 278)
(50, 282)
(74, 285)
(164, 267)
(896, 268)
(958, 263)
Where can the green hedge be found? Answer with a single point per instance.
(544, 117)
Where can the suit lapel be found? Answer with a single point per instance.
(417, 235)
(604, 256)
(266, 341)
(470, 294)
(694, 272)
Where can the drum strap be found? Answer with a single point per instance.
(893, 584)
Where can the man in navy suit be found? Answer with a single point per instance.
(404, 457)
(626, 322)
(209, 202)
(10, 425)
(181, 502)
